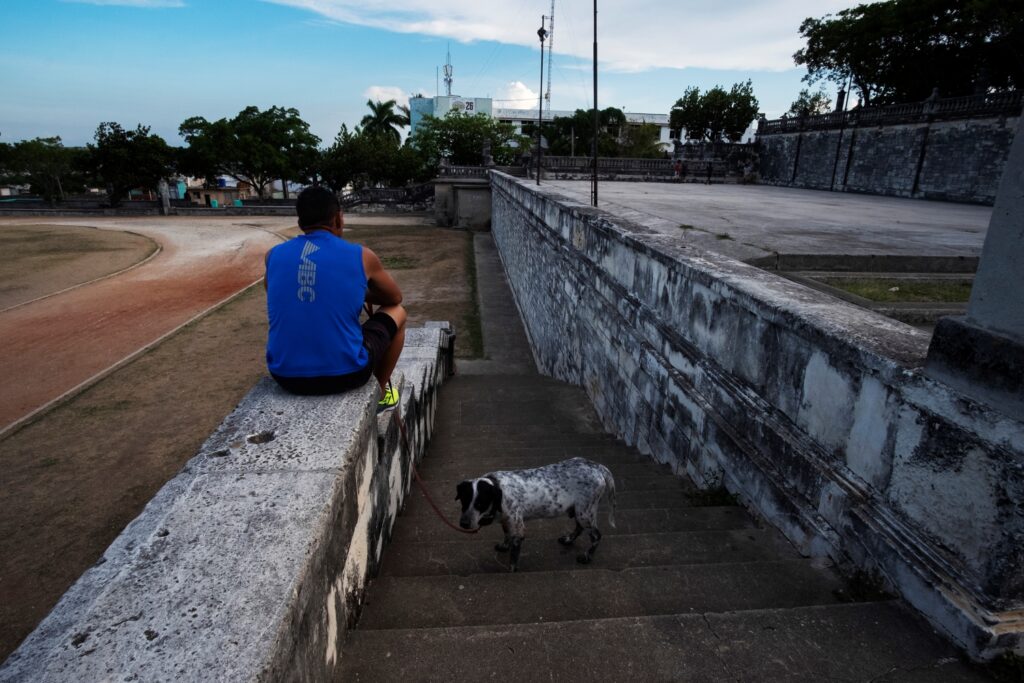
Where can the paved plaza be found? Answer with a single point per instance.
(749, 221)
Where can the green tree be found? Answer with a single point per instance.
(568, 134)
(45, 164)
(255, 147)
(810, 104)
(460, 138)
(640, 141)
(715, 115)
(383, 120)
(5, 162)
(123, 160)
(339, 164)
(898, 51)
(362, 159)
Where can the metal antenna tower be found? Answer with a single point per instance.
(448, 72)
(551, 46)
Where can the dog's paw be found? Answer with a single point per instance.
(501, 547)
(513, 568)
(566, 540)
(583, 558)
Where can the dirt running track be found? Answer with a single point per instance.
(51, 346)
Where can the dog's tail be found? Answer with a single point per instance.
(609, 492)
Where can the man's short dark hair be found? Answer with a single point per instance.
(316, 205)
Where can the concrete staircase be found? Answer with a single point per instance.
(680, 590)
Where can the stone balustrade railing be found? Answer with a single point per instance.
(972, 106)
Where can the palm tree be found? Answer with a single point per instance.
(384, 120)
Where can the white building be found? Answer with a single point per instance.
(439, 106)
(442, 104)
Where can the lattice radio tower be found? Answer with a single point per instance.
(448, 70)
(551, 46)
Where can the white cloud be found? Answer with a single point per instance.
(516, 95)
(383, 93)
(634, 36)
(132, 3)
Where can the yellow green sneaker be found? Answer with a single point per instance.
(389, 401)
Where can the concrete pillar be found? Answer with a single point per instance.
(165, 198)
(982, 352)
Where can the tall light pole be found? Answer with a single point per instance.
(593, 194)
(542, 33)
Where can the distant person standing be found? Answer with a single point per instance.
(317, 285)
(710, 171)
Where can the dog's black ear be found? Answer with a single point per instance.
(464, 491)
(488, 497)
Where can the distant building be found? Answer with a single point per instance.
(225, 193)
(437, 107)
(420, 107)
(13, 190)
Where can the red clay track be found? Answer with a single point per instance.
(51, 346)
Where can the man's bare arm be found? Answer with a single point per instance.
(381, 288)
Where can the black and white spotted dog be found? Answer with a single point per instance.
(573, 487)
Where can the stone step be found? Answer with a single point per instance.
(529, 456)
(477, 461)
(458, 470)
(443, 495)
(500, 435)
(477, 556)
(851, 642)
(561, 433)
(555, 448)
(428, 528)
(592, 593)
(625, 479)
(525, 417)
(480, 389)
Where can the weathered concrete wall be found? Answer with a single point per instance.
(950, 160)
(812, 410)
(461, 202)
(251, 563)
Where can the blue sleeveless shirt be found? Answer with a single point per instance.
(316, 286)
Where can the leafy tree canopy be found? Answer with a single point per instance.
(383, 120)
(45, 164)
(367, 159)
(640, 142)
(810, 104)
(715, 115)
(460, 138)
(255, 147)
(898, 51)
(568, 134)
(126, 159)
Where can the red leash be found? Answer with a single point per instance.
(423, 488)
(416, 474)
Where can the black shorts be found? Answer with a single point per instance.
(378, 333)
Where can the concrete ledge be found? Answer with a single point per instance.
(250, 564)
(814, 411)
(984, 364)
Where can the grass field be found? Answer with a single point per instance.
(904, 290)
(41, 259)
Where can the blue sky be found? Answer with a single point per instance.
(67, 65)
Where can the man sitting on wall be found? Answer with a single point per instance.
(317, 285)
